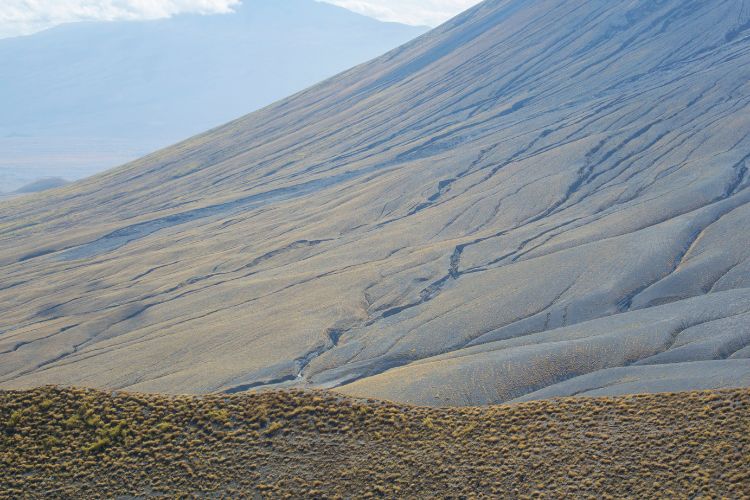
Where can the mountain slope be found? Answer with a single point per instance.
(523, 200)
(83, 97)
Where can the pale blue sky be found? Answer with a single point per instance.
(18, 17)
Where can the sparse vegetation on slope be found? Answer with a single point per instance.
(85, 443)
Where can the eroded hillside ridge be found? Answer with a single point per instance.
(76, 443)
(536, 199)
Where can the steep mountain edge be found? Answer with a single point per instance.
(71, 110)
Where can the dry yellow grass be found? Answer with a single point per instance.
(84, 443)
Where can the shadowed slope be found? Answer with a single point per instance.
(555, 187)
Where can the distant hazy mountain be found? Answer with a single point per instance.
(85, 96)
(37, 186)
(42, 185)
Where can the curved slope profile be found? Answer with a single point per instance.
(535, 199)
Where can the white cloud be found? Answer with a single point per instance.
(18, 17)
(416, 12)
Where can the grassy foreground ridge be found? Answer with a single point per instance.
(85, 443)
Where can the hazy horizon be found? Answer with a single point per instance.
(72, 111)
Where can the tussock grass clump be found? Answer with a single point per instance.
(87, 444)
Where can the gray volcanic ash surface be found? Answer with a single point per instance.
(536, 199)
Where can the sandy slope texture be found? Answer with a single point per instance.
(532, 193)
